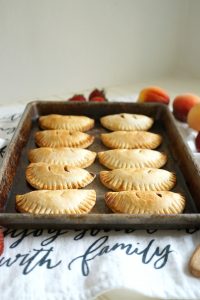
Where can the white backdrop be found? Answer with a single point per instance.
(51, 47)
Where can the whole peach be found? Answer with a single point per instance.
(193, 117)
(153, 94)
(182, 105)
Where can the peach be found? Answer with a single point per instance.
(193, 117)
(153, 94)
(197, 142)
(182, 105)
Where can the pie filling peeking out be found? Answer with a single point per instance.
(57, 177)
(131, 140)
(56, 202)
(68, 122)
(144, 179)
(63, 138)
(150, 202)
(126, 122)
(132, 158)
(72, 157)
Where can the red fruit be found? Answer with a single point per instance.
(1, 242)
(197, 142)
(97, 93)
(79, 98)
(182, 105)
(97, 99)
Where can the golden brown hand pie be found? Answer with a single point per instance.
(144, 179)
(71, 157)
(131, 140)
(57, 177)
(126, 122)
(72, 123)
(132, 158)
(140, 202)
(56, 202)
(63, 138)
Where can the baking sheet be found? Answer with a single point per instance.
(180, 161)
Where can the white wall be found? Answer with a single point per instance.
(189, 62)
(49, 47)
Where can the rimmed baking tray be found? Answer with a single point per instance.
(180, 161)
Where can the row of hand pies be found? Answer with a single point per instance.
(59, 168)
(116, 122)
(114, 140)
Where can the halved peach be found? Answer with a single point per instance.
(193, 117)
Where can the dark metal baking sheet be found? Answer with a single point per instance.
(180, 161)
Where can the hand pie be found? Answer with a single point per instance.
(71, 157)
(132, 158)
(63, 138)
(126, 122)
(137, 202)
(72, 123)
(145, 179)
(57, 177)
(56, 202)
(131, 140)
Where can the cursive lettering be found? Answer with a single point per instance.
(100, 247)
(20, 235)
(29, 261)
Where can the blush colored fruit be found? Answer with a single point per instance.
(1, 242)
(197, 142)
(97, 93)
(153, 94)
(182, 105)
(193, 117)
(98, 99)
(78, 98)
